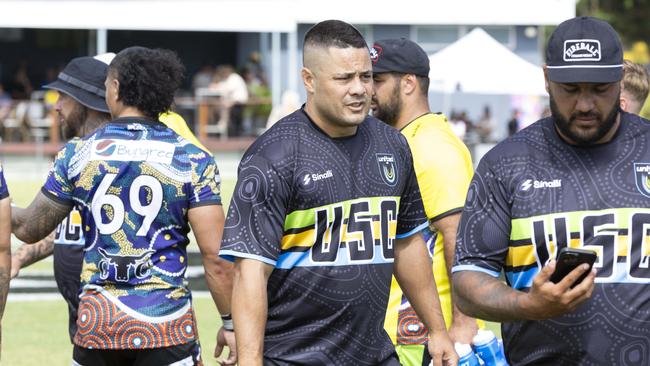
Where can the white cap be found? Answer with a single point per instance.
(482, 337)
(105, 57)
(462, 349)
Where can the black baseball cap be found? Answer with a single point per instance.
(399, 55)
(584, 50)
(83, 80)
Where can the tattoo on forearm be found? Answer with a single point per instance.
(485, 297)
(39, 219)
(29, 254)
(5, 276)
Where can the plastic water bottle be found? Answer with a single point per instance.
(488, 349)
(466, 355)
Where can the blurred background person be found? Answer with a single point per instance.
(234, 95)
(485, 125)
(634, 87)
(514, 122)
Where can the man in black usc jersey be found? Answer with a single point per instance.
(326, 205)
(580, 179)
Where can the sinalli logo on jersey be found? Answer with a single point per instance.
(536, 184)
(581, 50)
(642, 178)
(128, 150)
(388, 168)
(307, 179)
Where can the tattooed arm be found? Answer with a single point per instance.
(5, 252)
(483, 296)
(35, 222)
(28, 254)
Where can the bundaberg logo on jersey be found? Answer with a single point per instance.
(387, 168)
(642, 178)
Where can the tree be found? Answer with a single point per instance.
(628, 17)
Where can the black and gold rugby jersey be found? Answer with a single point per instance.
(325, 213)
(534, 194)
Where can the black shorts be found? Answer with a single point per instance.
(68, 260)
(188, 354)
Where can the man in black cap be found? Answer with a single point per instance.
(579, 179)
(443, 167)
(82, 109)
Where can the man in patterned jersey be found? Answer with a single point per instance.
(5, 245)
(326, 200)
(443, 167)
(138, 185)
(580, 178)
(82, 109)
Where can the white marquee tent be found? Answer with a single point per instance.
(477, 63)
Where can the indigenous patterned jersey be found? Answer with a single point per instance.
(325, 213)
(444, 169)
(4, 191)
(134, 181)
(534, 194)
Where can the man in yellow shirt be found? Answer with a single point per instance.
(444, 169)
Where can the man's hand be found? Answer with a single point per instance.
(463, 328)
(547, 299)
(442, 349)
(226, 338)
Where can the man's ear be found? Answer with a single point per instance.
(409, 84)
(623, 102)
(114, 85)
(308, 79)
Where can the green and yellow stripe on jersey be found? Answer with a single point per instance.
(358, 231)
(620, 237)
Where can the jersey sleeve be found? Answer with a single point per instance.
(4, 190)
(484, 231)
(443, 177)
(206, 183)
(411, 217)
(58, 185)
(255, 221)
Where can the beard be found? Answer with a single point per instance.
(389, 112)
(71, 126)
(578, 137)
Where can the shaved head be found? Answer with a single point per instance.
(337, 74)
(326, 34)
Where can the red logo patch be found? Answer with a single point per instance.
(375, 52)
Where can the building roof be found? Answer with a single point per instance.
(272, 15)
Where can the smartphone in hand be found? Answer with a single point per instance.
(569, 259)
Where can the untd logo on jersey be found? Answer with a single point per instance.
(128, 150)
(642, 178)
(388, 168)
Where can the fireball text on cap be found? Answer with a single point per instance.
(582, 50)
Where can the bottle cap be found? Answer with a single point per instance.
(462, 349)
(483, 337)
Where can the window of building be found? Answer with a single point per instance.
(432, 38)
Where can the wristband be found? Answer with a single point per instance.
(227, 324)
